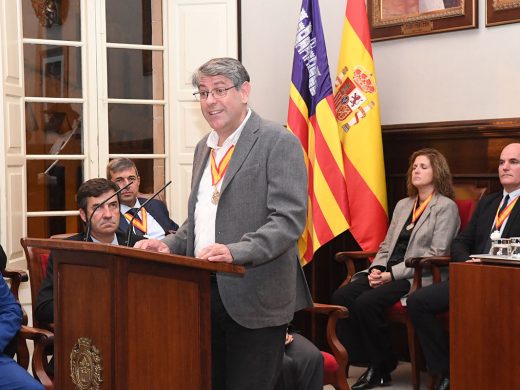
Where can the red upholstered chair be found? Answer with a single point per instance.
(335, 364)
(397, 314)
(467, 197)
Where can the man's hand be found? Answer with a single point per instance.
(218, 253)
(152, 245)
(377, 278)
(288, 338)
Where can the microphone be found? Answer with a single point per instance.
(89, 221)
(130, 223)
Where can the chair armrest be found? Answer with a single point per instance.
(432, 262)
(42, 340)
(348, 258)
(17, 276)
(322, 308)
(334, 312)
(427, 261)
(354, 255)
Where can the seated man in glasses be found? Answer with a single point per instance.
(153, 220)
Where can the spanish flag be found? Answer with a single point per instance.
(357, 110)
(312, 119)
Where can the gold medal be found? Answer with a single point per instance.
(216, 196)
(410, 227)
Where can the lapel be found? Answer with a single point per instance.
(244, 145)
(401, 220)
(201, 159)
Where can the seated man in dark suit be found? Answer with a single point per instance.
(104, 224)
(302, 367)
(498, 212)
(12, 376)
(153, 221)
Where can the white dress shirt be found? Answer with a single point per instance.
(205, 210)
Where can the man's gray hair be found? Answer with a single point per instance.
(225, 66)
(120, 164)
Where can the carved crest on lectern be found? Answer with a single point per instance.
(85, 365)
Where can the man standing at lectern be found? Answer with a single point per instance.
(498, 212)
(247, 206)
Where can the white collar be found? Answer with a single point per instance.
(213, 137)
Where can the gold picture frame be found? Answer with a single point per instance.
(392, 19)
(502, 12)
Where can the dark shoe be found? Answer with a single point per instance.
(444, 383)
(371, 378)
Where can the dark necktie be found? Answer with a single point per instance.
(131, 213)
(504, 205)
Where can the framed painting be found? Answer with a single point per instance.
(502, 12)
(391, 19)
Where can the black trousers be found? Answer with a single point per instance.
(243, 358)
(423, 306)
(302, 366)
(365, 333)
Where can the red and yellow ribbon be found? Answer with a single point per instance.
(499, 219)
(218, 171)
(418, 211)
(139, 223)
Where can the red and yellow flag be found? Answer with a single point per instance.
(357, 109)
(312, 119)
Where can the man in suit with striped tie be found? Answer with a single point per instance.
(152, 221)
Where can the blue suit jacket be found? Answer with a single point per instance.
(10, 315)
(158, 210)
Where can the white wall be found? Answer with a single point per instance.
(460, 75)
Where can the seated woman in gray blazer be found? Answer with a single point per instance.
(423, 224)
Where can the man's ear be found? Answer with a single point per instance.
(82, 215)
(245, 89)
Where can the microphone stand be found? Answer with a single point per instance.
(130, 223)
(89, 220)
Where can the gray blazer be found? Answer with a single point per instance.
(431, 236)
(260, 216)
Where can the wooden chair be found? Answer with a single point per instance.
(37, 259)
(36, 265)
(466, 198)
(42, 338)
(397, 313)
(335, 365)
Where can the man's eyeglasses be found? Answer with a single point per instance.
(216, 92)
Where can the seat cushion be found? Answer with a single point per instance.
(398, 308)
(329, 363)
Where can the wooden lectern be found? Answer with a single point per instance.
(130, 319)
(484, 325)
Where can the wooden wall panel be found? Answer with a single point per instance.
(472, 149)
